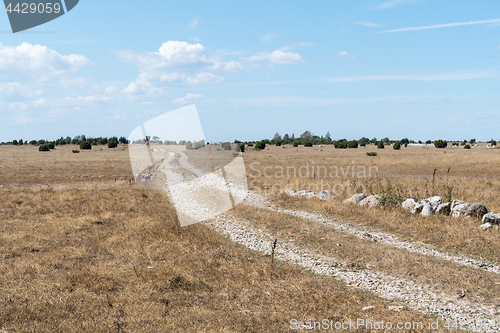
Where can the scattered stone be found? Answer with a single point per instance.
(456, 203)
(477, 210)
(427, 210)
(491, 218)
(306, 193)
(409, 204)
(368, 308)
(444, 209)
(370, 202)
(460, 210)
(325, 195)
(435, 201)
(417, 209)
(485, 226)
(355, 198)
(395, 308)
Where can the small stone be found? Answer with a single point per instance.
(395, 308)
(325, 195)
(427, 210)
(370, 202)
(460, 210)
(491, 218)
(435, 201)
(355, 198)
(417, 209)
(444, 209)
(409, 204)
(456, 203)
(477, 210)
(368, 308)
(485, 226)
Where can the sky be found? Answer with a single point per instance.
(421, 69)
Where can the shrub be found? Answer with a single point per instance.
(241, 147)
(440, 143)
(112, 144)
(51, 145)
(295, 143)
(352, 144)
(454, 144)
(362, 144)
(226, 146)
(15, 143)
(428, 142)
(308, 144)
(396, 145)
(250, 144)
(75, 151)
(44, 147)
(380, 145)
(371, 153)
(493, 143)
(340, 144)
(85, 145)
(388, 197)
(189, 145)
(467, 146)
(261, 145)
(278, 143)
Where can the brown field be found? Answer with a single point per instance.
(473, 176)
(83, 249)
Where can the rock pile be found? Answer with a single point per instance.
(323, 195)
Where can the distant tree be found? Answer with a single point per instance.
(278, 142)
(352, 144)
(68, 139)
(464, 142)
(428, 142)
(112, 143)
(467, 146)
(440, 143)
(293, 136)
(286, 138)
(328, 137)
(33, 142)
(15, 143)
(405, 142)
(493, 143)
(85, 145)
(21, 142)
(240, 147)
(295, 143)
(189, 145)
(43, 147)
(123, 140)
(419, 141)
(308, 143)
(380, 145)
(386, 140)
(260, 145)
(277, 136)
(396, 145)
(306, 135)
(472, 141)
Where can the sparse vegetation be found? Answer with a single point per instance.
(371, 153)
(380, 145)
(85, 145)
(440, 143)
(260, 145)
(467, 146)
(43, 147)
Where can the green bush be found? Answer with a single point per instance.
(352, 144)
(371, 153)
(341, 144)
(428, 142)
(260, 145)
(380, 145)
(493, 143)
(396, 145)
(189, 145)
(51, 145)
(241, 147)
(250, 144)
(112, 144)
(75, 151)
(467, 146)
(278, 143)
(226, 146)
(85, 145)
(440, 143)
(295, 143)
(44, 147)
(308, 144)
(363, 144)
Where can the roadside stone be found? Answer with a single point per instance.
(409, 204)
(417, 209)
(460, 210)
(491, 218)
(427, 210)
(355, 198)
(455, 203)
(306, 193)
(435, 201)
(368, 308)
(370, 201)
(325, 195)
(444, 209)
(485, 226)
(477, 210)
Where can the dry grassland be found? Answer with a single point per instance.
(85, 250)
(473, 176)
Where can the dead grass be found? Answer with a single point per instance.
(113, 258)
(472, 176)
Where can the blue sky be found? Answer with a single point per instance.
(351, 68)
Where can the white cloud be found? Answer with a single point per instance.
(194, 23)
(446, 25)
(269, 36)
(278, 57)
(394, 3)
(367, 24)
(187, 98)
(342, 53)
(176, 62)
(195, 39)
(37, 62)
